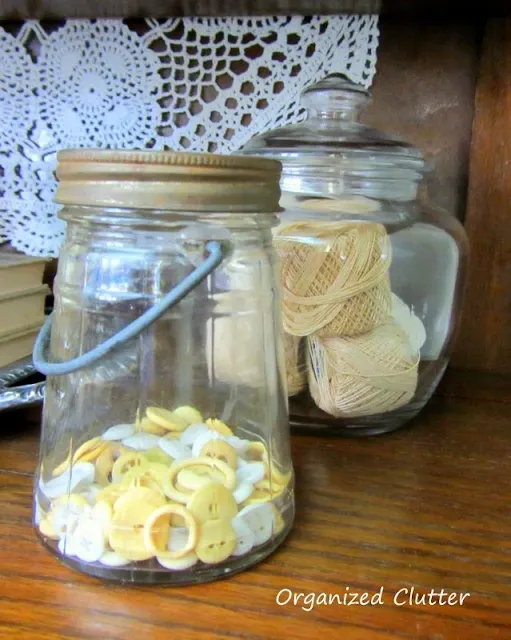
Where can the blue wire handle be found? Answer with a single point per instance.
(173, 297)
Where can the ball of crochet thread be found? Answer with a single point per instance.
(296, 371)
(334, 277)
(363, 375)
(240, 341)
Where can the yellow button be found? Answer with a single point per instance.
(217, 541)
(256, 451)
(46, 528)
(111, 493)
(148, 426)
(90, 450)
(104, 464)
(126, 462)
(157, 527)
(211, 502)
(221, 451)
(219, 426)
(151, 476)
(264, 492)
(158, 455)
(132, 510)
(179, 564)
(171, 491)
(197, 476)
(189, 415)
(166, 419)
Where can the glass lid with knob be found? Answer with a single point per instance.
(331, 152)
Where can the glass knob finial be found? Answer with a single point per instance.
(335, 93)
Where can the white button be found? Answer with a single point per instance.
(81, 475)
(141, 441)
(237, 443)
(65, 545)
(112, 559)
(252, 472)
(193, 432)
(242, 492)
(245, 537)
(178, 537)
(88, 540)
(119, 432)
(174, 448)
(260, 518)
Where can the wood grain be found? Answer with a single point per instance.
(484, 342)
(427, 507)
(423, 92)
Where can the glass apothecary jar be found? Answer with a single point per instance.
(372, 274)
(159, 463)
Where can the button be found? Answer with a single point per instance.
(197, 476)
(72, 480)
(147, 426)
(89, 450)
(221, 451)
(265, 492)
(217, 540)
(157, 529)
(242, 492)
(245, 538)
(192, 433)
(219, 426)
(211, 502)
(151, 476)
(47, 530)
(119, 432)
(179, 564)
(252, 472)
(112, 559)
(88, 541)
(64, 510)
(141, 441)
(126, 462)
(63, 466)
(256, 451)
(112, 493)
(158, 455)
(166, 419)
(102, 514)
(261, 520)
(229, 477)
(188, 414)
(174, 448)
(104, 464)
(131, 512)
(203, 439)
(91, 493)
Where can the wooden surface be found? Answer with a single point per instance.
(426, 507)
(485, 339)
(423, 92)
(23, 9)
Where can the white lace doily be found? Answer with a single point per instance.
(197, 84)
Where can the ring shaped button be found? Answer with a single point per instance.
(229, 477)
(153, 529)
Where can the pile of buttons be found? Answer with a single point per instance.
(170, 487)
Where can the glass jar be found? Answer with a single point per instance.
(159, 463)
(372, 274)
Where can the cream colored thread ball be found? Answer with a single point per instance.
(296, 371)
(334, 277)
(364, 375)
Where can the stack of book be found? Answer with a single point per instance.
(22, 303)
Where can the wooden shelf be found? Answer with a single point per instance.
(56, 9)
(426, 507)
